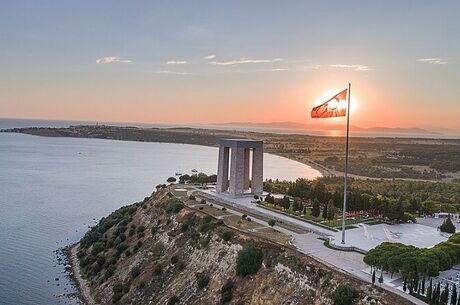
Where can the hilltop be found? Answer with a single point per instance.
(160, 251)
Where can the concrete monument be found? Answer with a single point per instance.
(245, 177)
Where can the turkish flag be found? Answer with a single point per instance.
(334, 107)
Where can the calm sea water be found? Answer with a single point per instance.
(52, 189)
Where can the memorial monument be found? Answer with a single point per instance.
(236, 174)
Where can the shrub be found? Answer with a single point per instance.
(174, 206)
(141, 285)
(248, 219)
(202, 280)
(171, 180)
(173, 300)
(118, 287)
(122, 247)
(244, 216)
(202, 201)
(249, 260)
(345, 295)
(226, 292)
(135, 272)
(174, 259)
(98, 247)
(141, 228)
(271, 222)
(447, 226)
(227, 235)
(180, 265)
(131, 232)
(117, 296)
(158, 269)
(192, 197)
(184, 226)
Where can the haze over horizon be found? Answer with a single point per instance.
(208, 62)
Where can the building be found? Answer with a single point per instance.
(240, 167)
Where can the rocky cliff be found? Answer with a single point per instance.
(161, 252)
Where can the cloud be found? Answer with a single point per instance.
(353, 67)
(210, 56)
(433, 60)
(171, 72)
(176, 62)
(111, 60)
(243, 60)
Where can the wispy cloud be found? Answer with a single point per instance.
(210, 56)
(111, 60)
(176, 62)
(171, 72)
(244, 60)
(353, 67)
(433, 60)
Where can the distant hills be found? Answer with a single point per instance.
(302, 126)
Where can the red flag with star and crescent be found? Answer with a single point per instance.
(334, 107)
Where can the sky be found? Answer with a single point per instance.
(231, 61)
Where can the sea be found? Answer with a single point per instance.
(53, 189)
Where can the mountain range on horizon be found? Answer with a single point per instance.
(377, 129)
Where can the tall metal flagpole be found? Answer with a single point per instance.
(346, 166)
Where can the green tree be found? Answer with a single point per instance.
(171, 180)
(447, 226)
(381, 278)
(444, 295)
(226, 292)
(315, 211)
(344, 295)
(325, 212)
(249, 260)
(429, 290)
(423, 286)
(453, 298)
(331, 211)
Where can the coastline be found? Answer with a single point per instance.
(84, 293)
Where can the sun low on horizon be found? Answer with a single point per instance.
(201, 67)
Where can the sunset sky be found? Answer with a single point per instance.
(227, 61)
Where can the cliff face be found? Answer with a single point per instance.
(160, 252)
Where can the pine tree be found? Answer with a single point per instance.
(429, 291)
(423, 286)
(330, 211)
(373, 277)
(453, 298)
(325, 212)
(444, 295)
(381, 278)
(405, 285)
(315, 211)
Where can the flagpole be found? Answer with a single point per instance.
(346, 166)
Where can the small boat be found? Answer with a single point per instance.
(178, 174)
(194, 171)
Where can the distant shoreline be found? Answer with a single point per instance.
(373, 158)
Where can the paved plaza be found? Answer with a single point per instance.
(366, 237)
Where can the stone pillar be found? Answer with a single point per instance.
(237, 172)
(257, 171)
(247, 155)
(222, 170)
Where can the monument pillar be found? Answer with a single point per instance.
(257, 170)
(222, 169)
(241, 181)
(247, 155)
